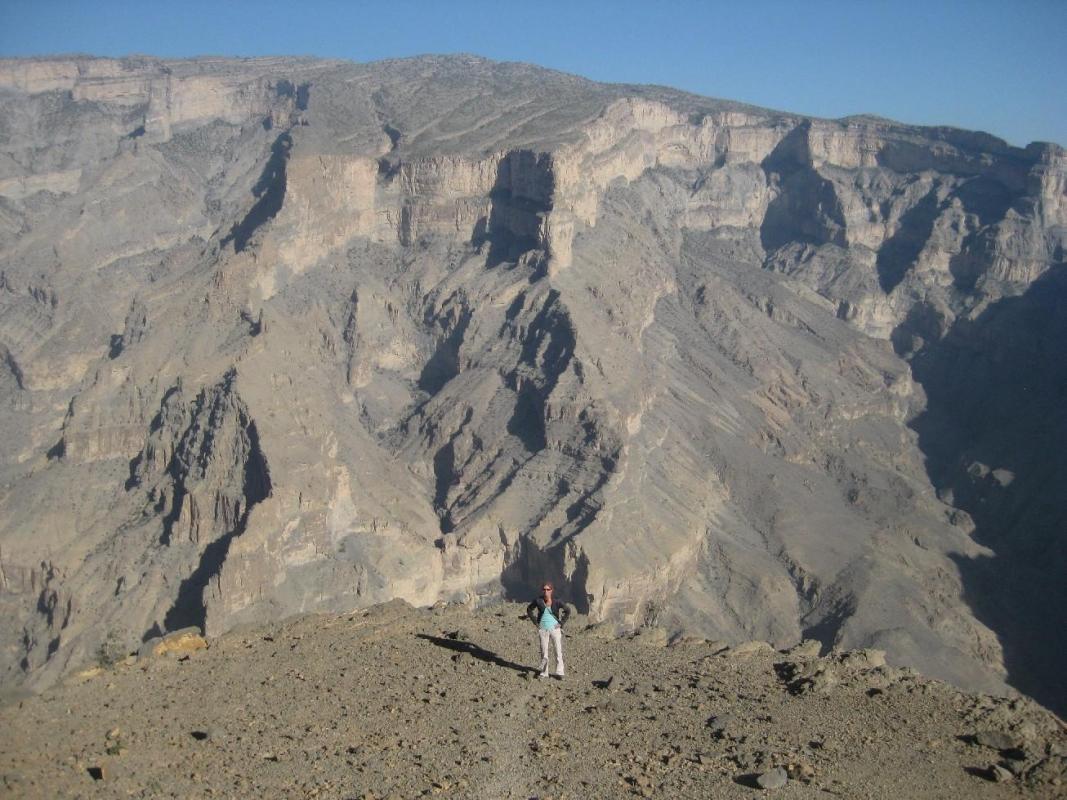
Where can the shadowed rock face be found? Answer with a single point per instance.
(286, 335)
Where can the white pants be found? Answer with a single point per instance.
(556, 635)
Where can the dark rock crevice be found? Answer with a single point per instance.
(446, 475)
(548, 344)
(528, 565)
(520, 199)
(269, 191)
(806, 208)
(216, 473)
(189, 607)
(989, 200)
(298, 94)
(444, 364)
(901, 249)
(527, 421)
(14, 368)
(823, 623)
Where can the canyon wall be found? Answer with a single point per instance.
(282, 336)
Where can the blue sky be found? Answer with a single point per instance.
(993, 66)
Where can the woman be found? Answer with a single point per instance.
(549, 614)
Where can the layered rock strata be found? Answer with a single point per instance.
(289, 335)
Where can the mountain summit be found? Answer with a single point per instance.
(287, 335)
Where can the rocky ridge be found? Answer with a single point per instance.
(391, 702)
(287, 335)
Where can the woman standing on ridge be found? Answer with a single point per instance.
(549, 614)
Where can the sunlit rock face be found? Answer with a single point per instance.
(286, 335)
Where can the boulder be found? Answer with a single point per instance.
(864, 659)
(653, 637)
(999, 774)
(600, 630)
(186, 640)
(809, 648)
(773, 779)
(997, 740)
(749, 649)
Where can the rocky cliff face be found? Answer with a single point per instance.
(288, 335)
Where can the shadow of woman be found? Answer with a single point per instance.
(469, 648)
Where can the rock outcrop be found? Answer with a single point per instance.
(285, 335)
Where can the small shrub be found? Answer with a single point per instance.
(110, 651)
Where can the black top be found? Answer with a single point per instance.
(536, 610)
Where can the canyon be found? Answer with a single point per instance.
(285, 335)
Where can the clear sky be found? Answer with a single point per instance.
(994, 66)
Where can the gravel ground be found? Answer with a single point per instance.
(398, 702)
